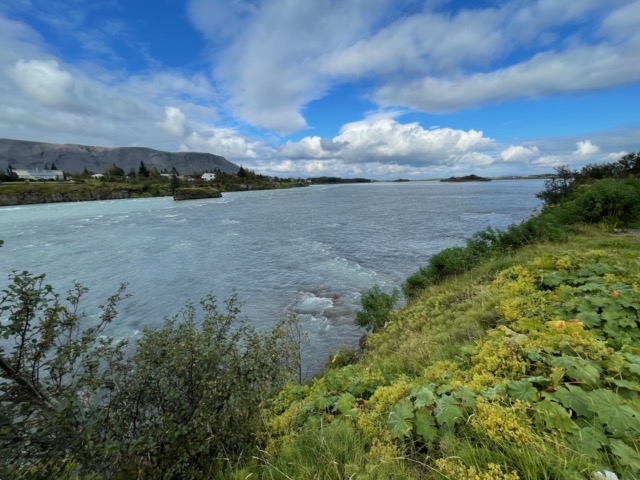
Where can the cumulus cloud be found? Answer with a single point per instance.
(519, 153)
(380, 138)
(586, 148)
(43, 81)
(224, 141)
(174, 123)
(384, 139)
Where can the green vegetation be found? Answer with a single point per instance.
(325, 180)
(75, 405)
(376, 308)
(614, 200)
(142, 183)
(466, 178)
(517, 356)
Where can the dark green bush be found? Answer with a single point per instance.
(614, 201)
(73, 403)
(376, 307)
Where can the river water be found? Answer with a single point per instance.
(311, 251)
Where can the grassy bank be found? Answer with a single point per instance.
(530, 372)
(517, 357)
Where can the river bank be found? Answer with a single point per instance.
(32, 193)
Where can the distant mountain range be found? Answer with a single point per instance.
(75, 158)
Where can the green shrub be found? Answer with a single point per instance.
(616, 201)
(71, 397)
(376, 307)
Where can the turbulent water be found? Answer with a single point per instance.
(311, 251)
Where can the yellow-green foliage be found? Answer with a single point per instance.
(534, 370)
(454, 469)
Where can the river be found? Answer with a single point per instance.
(311, 251)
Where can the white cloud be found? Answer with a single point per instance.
(381, 138)
(174, 123)
(43, 81)
(270, 70)
(518, 153)
(285, 53)
(615, 156)
(586, 148)
(226, 142)
(385, 139)
(574, 70)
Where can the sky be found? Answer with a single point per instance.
(382, 89)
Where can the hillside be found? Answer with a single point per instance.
(76, 158)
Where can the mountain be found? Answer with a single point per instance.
(75, 158)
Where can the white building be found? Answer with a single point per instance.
(208, 176)
(39, 174)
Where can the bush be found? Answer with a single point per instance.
(609, 200)
(72, 401)
(376, 307)
(555, 189)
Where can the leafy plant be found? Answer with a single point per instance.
(74, 402)
(376, 308)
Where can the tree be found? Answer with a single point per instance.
(114, 171)
(53, 167)
(175, 183)
(9, 176)
(242, 172)
(142, 170)
(57, 379)
(558, 187)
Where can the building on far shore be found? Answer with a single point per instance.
(208, 176)
(39, 174)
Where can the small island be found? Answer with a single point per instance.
(195, 193)
(467, 178)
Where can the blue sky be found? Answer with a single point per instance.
(383, 89)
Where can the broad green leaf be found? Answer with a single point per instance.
(445, 388)
(522, 390)
(466, 397)
(633, 368)
(553, 279)
(400, 419)
(321, 402)
(633, 386)
(578, 369)
(590, 440)
(424, 397)
(448, 411)
(345, 402)
(555, 417)
(576, 399)
(628, 456)
(611, 410)
(426, 425)
(590, 319)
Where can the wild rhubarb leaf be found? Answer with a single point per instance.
(448, 411)
(522, 390)
(426, 425)
(576, 399)
(400, 419)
